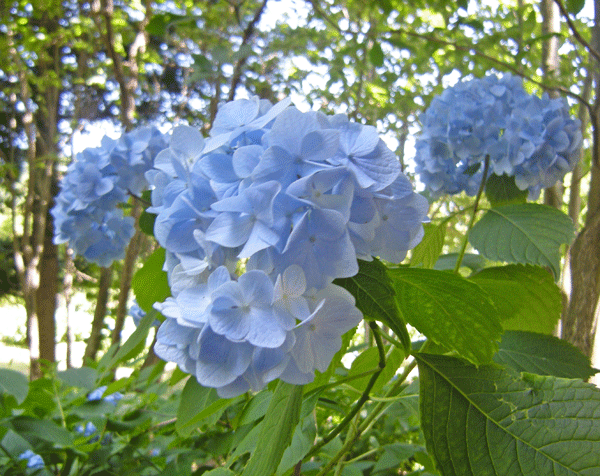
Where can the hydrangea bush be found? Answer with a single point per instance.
(278, 233)
(299, 197)
(524, 136)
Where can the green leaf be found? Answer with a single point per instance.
(84, 377)
(302, 441)
(277, 430)
(575, 6)
(526, 296)
(492, 421)
(136, 341)
(255, 408)
(47, 430)
(14, 443)
(543, 355)
(472, 261)
(429, 249)
(14, 383)
(150, 282)
(449, 310)
(372, 288)
(198, 403)
(394, 455)
(160, 23)
(502, 190)
(219, 472)
(527, 233)
(146, 222)
(369, 360)
(376, 55)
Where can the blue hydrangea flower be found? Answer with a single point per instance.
(85, 211)
(34, 461)
(98, 394)
(530, 138)
(300, 197)
(88, 430)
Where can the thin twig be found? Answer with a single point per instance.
(463, 248)
(575, 31)
(512, 69)
(362, 400)
(237, 71)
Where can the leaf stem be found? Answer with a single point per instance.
(361, 401)
(463, 248)
(58, 403)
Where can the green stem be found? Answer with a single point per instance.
(58, 403)
(361, 401)
(382, 405)
(461, 254)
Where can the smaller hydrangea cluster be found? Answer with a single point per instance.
(298, 198)
(86, 212)
(34, 461)
(529, 138)
(97, 395)
(88, 430)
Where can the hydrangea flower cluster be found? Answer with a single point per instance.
(86, 212)
(34, 461)
(296, 198)
(530, 138)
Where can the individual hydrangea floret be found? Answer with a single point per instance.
(34, 461)
(526, 137)
(300, 197)
(96, 183)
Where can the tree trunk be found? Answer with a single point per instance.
(126, 276)
(580, 319)
(95, 339)
(47, 293)
(553, 196)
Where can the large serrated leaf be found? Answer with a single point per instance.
(526, 296)
(277, 430)
(543, 355)
(449, 310)
(526, 233)
(492, 421)
(372, 288)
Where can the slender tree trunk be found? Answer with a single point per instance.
(46, 295)
(126, 276)
(68, 295)
(95, 339)
(580, 318)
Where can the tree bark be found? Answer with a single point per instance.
(580, 319)
(95, 339)
(47, 293)
(126, 276)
